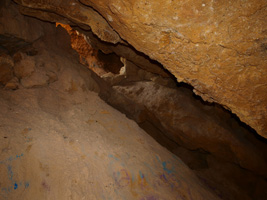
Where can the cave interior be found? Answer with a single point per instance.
(84, 118)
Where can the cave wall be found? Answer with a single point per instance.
(219, 47)
(59, 140)
(221, 141)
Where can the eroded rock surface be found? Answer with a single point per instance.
(219, 47)
(205, 137)
(55, 111)
(88, 18)
(61, 141)
(195, 126)
(12, 38)
(6, 69)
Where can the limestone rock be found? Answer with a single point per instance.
(51, 69)
(52, 77)
(13, 84)
(112, 79)
(51, 66)
(189, 123)
(61, 141)
(4, 58)
(79, 150)
(218, 47)
(11, 44)
(68, 135)
(241, 177)
(36, 79)
(6, 69)
(35, 71)
(12, 23)
(127, 52)
(24, 68)
(84, 16)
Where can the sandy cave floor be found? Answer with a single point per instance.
(57, 146)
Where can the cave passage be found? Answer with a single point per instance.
(83, 118)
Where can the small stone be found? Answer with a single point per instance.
(13, 84)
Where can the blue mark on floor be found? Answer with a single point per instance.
(11, 158)
(169, 171)
(112, 156)
(141, 175)
(10, 173)
(27, 184)
(11, 176)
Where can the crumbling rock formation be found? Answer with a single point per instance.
(206, 137)
(218, 47)
(59, 140)
(48, 94)
(74, 12)
(193, 125)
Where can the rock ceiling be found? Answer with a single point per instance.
(218, 47)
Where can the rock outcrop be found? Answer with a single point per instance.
(59, 140)
(205, 136)
(192, 125)
(218, 47)
(50, 115)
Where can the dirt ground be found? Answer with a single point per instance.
(61, 141)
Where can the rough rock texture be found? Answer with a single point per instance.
(195, 126)
(6, 69)
(91, 57)
(72, 155)
(141, 60)
(61, 141)
(75, 12)
(67, 152)
(219, 47)
(12, 38)
(52, 107)
(87, 45)
(224, 154)
(164, 110)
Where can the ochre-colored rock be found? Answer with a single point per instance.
(218, 47)
(37, 79)
(13, 84)
(61, 141)
(52, 124)
(12, 23)
(86, 17)
(174, 117)
(127, 52)
(192, 125)
(24, 68)
(6, 69)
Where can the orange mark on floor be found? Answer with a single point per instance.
(104, 112)
(25, 131)
(141, 180)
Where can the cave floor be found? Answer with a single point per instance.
(57, 146)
